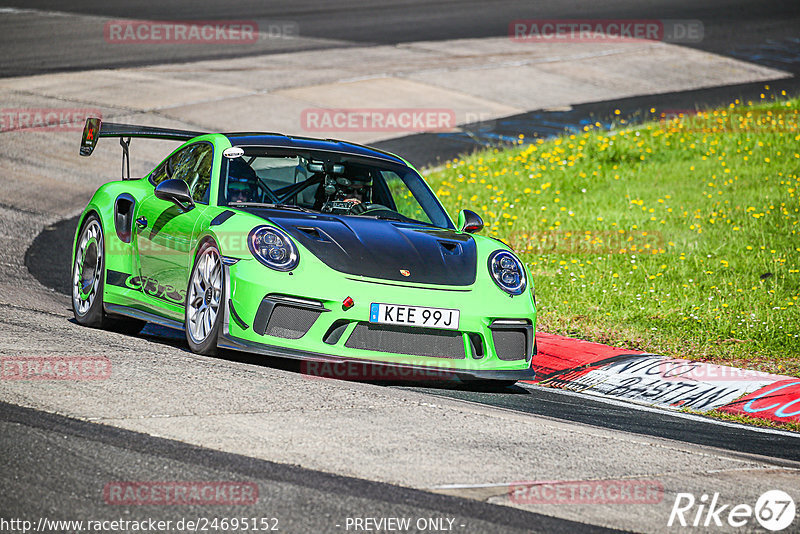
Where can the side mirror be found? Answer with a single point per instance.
(469, 221)
(176, 191)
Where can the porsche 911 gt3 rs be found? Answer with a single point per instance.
(318, 250)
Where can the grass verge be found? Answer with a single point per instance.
(677, 236)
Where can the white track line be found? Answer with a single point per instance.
(27, 11)
(625, 477)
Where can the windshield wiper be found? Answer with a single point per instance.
(384, 217)
(294, 207)
(272, 206)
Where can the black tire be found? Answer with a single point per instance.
(205, 301)
(88, 274)
(88, 282)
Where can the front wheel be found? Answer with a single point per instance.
(204, 301)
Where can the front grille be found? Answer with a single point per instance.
(412, 341)
(290, 322)
(510, 345)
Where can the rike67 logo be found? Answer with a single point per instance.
(774, 510)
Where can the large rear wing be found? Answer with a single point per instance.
(95, 129)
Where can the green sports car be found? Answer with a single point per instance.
(319, 250)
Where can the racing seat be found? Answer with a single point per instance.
(242, 182)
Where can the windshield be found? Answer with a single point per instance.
(328, 182)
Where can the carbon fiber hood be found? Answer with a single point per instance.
(365, 246)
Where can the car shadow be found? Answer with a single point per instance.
(361, 372)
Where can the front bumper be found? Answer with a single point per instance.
(494, 339)
(353, 369)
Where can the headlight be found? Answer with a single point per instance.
(507, 272)
(273, 248)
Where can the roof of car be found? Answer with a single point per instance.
(309, 143)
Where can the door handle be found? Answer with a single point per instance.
(141, 222)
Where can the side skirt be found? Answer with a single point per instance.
(117, 309)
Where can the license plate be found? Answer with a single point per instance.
(413, 315)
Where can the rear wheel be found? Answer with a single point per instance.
(88, 275)
(204, 301)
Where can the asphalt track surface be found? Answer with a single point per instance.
(382, 23)
(31, 492)
(430, 149)
(658, 423)
(734, 28)
(759, 32)
(730, 26)
(539, 401)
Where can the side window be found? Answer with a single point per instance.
(160, 174)
(192, 165)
